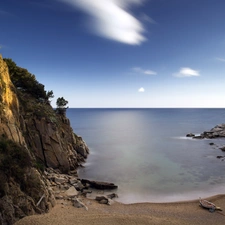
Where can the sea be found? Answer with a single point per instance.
(146, 153)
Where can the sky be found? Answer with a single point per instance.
(120, 53)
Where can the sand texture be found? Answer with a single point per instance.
(139, 213)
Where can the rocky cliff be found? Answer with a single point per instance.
(32, 137)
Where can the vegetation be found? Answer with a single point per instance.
(14, 160)
(61, 105)
(26, 82)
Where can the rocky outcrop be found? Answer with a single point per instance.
(17, 203)
(55, 144)
(217, 132)
(35, 125)
(71, 188)
(37, 138)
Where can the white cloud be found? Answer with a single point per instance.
(141, 89)
(112, 20)
(187, 72)
(140, 70)
(220, 59)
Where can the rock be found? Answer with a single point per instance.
(73, 180)
(99, 185)
(211, 143)
(79, 186)
(219, 157)
(198, 137)
(48, 139)
(59, 197)
(222, 148)
(71, 192)
(190, 135)
(216, 129)
(60, 180)
(85, 192)
(105, 199)
(82, 149)
(79, 204)
(111, 196)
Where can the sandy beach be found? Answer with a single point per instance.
(186, 213)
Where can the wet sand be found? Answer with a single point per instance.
(180, 213)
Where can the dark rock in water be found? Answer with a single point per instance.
(220, 157)
(198, 137)
(190, 135)
(99, 185)
(211, 143)
(222, 148)
(217, 132)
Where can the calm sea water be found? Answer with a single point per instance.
(146, 153)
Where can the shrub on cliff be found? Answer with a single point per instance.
(14, 160)
(24, 81)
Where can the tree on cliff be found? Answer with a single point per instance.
(49, 95)
(61, 105)
(26, 82)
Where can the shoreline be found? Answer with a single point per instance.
(181, 212)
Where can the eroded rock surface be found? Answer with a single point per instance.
(31, 126)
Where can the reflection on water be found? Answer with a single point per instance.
(146, 153)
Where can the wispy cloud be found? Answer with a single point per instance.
(187, 72)
(220, 59)
(112, 20)
(140, 70)
(148, 19)
(141, 89)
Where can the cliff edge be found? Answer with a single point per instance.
(33, 136)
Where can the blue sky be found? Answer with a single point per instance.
(120, 53)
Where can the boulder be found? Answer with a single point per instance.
(78, 203)
(60, 180)
(71, 192)
(198, 137)
(190, 135)
(106, 199)
(222, 148)
(99, 185)
(73, 180)
(79, 186)
(216, 129)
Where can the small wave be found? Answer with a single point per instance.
(184, 138)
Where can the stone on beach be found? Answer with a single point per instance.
(71, 192)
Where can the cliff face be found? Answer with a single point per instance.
(32, 137)
(9, 106)
(55, 144)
